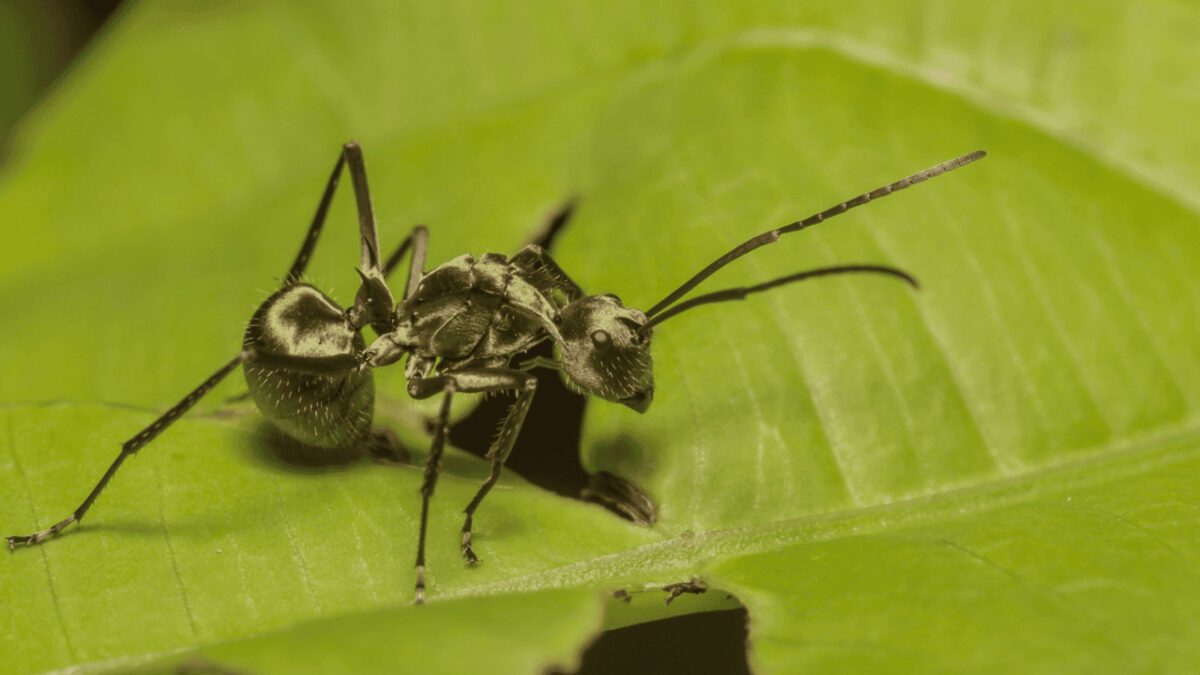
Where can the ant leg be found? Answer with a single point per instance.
(419, 240)
(351, 154)
(548, 232)
(432, 466)
(374, 298)
(374, 302)
(296, 272)
(368, 235)
(128, 448)
(498, 453)
(318, 222)
(475, 380)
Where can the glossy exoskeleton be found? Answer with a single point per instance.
(461, 326)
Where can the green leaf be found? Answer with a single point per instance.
(1089, 568)
(518, 634)
(997, 473)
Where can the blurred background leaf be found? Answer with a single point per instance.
(38, 39)
(1003, 465)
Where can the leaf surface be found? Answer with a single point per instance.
(881, 476)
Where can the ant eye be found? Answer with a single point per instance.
(601, 340)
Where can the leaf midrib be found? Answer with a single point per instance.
(689, 552)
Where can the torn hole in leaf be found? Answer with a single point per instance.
(700, 632)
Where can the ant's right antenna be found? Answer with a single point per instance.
(773, 235)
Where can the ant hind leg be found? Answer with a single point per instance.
(130, 447)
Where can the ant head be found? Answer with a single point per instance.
(605, 352)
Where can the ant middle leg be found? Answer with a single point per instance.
(497, 454)
(472, 380)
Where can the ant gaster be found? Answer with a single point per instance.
(461, 325)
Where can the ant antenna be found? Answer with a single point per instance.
(742, 291)
(773, 235)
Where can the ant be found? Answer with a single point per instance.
(461, 326)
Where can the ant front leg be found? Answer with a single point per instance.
(130, 447)
(473, 380)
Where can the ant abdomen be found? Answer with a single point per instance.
(325, 411)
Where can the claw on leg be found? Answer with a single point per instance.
(420, 590)
(39, 537)
(467, 551)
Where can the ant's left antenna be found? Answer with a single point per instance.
(773, 236)
(740, 292)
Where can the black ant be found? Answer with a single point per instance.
(461, 325)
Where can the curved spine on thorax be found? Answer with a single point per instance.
(327, 411)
